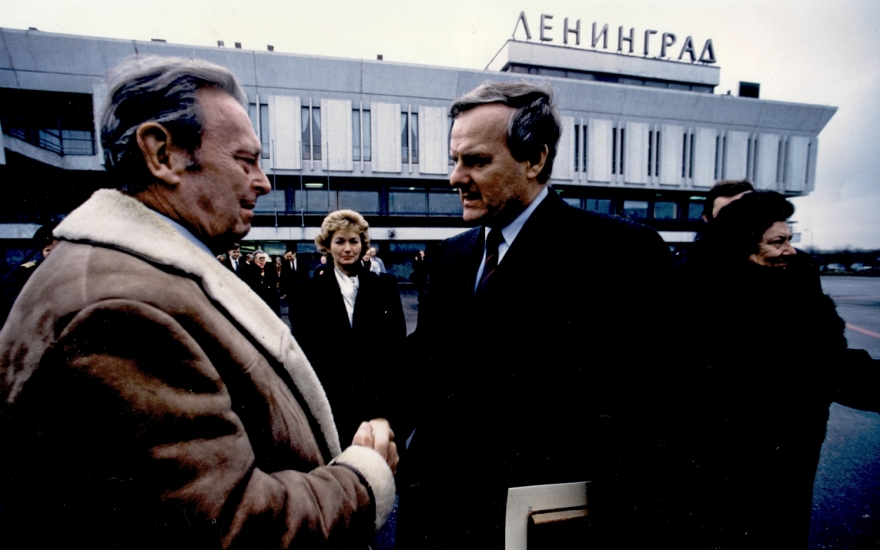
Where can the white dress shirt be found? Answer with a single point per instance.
(348, 286)
(509, 233)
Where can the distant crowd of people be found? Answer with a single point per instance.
(148, 399)
(280, 280)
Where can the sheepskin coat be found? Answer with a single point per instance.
(148, 398)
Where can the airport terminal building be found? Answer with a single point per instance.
(645, 136)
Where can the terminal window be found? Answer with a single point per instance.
(637, 210)
(409, 137)
(356, 134)
(665, 211)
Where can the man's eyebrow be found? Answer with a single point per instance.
(255, 152)
(476, 155)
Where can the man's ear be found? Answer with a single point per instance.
(535, 169)
(164, 160)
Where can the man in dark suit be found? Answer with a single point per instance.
(539, 372)
(232, 260)
(293, 274)
(263, 279)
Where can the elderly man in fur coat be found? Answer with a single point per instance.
(149, 398)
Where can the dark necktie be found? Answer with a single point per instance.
(493, 240)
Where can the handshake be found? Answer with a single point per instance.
(378, 435)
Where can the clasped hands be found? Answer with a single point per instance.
(378, 435)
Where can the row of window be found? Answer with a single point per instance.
(58, 140)
(595, 150)
(608, 77)
(437, 202)
(642, 209)
(688, 154)
(361, 141)
(400, 202)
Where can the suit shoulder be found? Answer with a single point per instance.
(460, 244)
(461, 239)
(605, 225)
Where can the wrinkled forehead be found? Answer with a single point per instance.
(481, 125)
(778, 229)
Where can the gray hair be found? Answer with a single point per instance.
(533, 124)
(155, 89)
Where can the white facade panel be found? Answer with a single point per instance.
(737, 164)
(385, 134)
(433, 147)
(599, 154)
(796, 164)
(336, 134)
(704, 157)
(99, 94)
(285, 132)
(812, 151)
(671, 152)
(635, 158)
(767, 158)
(563, 168)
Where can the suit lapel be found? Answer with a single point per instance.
(330, 287)
(366, 290)
(530, 245)
(471, 258)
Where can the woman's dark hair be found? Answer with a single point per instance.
(739, 227)
(724, 188)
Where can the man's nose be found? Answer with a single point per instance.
(459, 176)
(788, 249)
(261, 182)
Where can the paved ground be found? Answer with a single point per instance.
(846, 496)
(409, 297)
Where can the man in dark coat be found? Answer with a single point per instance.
(12, 284)
(233, 262)
(293, 275)
(263, 278)
(539, 376)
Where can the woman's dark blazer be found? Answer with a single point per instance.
(358, 364)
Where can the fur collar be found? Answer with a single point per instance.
(112, 219)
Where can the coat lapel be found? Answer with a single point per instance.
(530, 247)
(118, 221)
(330, 289)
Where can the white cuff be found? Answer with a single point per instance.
(373, 468)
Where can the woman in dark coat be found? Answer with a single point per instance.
(355, 329)
(768, 358)
(263, 278)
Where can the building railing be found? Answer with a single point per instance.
(58, 140)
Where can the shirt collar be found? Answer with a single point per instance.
(513, 228)
(187, 234)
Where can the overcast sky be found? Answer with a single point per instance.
(805, 51)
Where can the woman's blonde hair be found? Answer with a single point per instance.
(346, 221)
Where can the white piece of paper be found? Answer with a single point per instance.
(523, 501)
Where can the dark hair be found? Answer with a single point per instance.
(533, 125)
(43, 235)
(155, 89)
(739, 227)
(724, 188)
